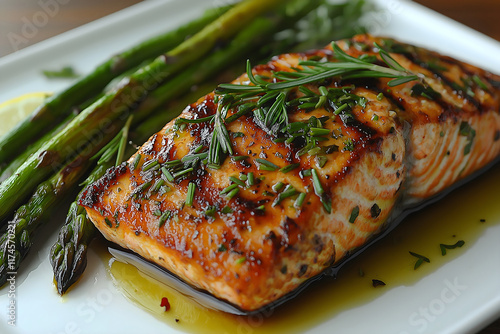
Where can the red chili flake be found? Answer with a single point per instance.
(165, 303)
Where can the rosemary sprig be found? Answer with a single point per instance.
(444, 247)
(420, 260)
(269, 99)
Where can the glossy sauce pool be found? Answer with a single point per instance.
(464, 214)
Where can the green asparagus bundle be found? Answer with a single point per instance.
(68, 255)
(108, 114)
(17, 240)
(60, 105)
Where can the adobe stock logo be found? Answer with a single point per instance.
(32, 25)
(429, 313)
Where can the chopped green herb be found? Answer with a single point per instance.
(232, 193)
(318, 188)
(151, 164)
(251, 179)
(228, 189)
(288, 192)
(157, 212)
(289, 168)
(164, 218)
(222, 248)
(380, 96)
(467, 131)
(140, 189)
(306, 172)
(354, 214)
(266, 165)
(135, 162)
(444, 247)
(226, 210)
(183, 172)
(168, 175)
(210, 211)
(314, 151)
(327, 203)
(237, 181)
(299, 201)
(190, 193)
(108, 222)
(319, 132)
(479, 82)
(427, 92)
(278, 186)
(349, 145)
(420, 260)
(164, 189)
(243, 177)
(241, 260)
(436, 67)
(158, 184)
(238, 134)
(239, 157)
(321, 160)
(67, 72)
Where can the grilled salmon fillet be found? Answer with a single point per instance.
(287, 203)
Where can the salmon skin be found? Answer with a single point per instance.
(285, 204)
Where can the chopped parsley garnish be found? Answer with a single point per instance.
(67, 72)
(444, 247)
(164, 217)
(354, 214)
(227, 209)
(420, 259)
(190, 193)
(266, 165)
(467, 131)
(349, 145)
(425, 91)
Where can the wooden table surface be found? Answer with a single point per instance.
(15, 16)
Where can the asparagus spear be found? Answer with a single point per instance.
(59, 105)
(68, 254)
(108, 114)
(16, 241)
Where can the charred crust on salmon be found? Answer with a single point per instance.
(93, 192)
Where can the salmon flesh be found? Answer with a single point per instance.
(288, 201)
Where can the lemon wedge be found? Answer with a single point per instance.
(15, 110)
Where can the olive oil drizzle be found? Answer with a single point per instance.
(388, 261)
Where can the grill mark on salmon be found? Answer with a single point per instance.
(405, 148)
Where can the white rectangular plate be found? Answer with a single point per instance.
(96, 306)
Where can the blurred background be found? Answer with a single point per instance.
(41, 19)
